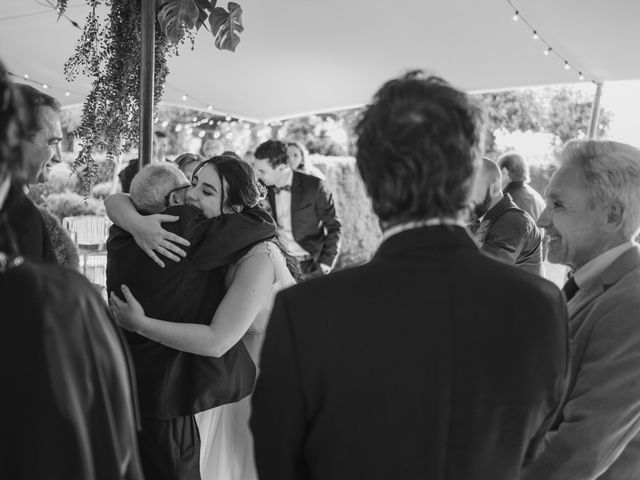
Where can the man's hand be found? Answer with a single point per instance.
(151, 238)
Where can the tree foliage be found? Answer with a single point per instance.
(563, 112)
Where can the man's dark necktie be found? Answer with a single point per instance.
(286, 188)
(570, 289)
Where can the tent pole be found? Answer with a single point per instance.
(147, 67)
(595, 113)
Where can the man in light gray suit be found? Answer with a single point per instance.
(591, 217)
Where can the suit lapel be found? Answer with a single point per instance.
(629, 260)
(296, 195)
(271, 196)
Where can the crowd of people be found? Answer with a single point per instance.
(231, 348)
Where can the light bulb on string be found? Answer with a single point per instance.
(178, 127)
(566, 65)
(26, 77)
(210, 122)
(185, 98)
(67, 94)
(547, 51)
(195, 119)
(516, 16)
(580, 76)
(165, 123)
(201, 134)
(45, 86)
(209, 107)
(216, 134)
(535, 35)
(227, 118)
(189, 131)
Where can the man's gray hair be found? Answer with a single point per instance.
(610, 173)
(152, 184)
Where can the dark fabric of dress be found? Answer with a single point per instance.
(67, 409)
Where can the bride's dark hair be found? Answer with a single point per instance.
(244, 190)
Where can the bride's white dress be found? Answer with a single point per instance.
(226, 450)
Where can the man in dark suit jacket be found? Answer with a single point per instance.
(503, 230)
(303, 208)
(175, 385)
(432, 360)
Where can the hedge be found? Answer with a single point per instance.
(360, 230)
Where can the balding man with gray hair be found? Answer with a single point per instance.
(158, 186)
(501, 229)
(515, 182)
(591, 218)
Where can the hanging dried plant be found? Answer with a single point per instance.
(109, 52)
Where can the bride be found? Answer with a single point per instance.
(217, 186)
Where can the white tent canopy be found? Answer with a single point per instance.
(305, 56)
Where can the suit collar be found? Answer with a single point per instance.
(426, 238)
(626, 262)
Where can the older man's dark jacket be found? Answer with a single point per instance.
(511, 235)
(172, 383)
(314, 222)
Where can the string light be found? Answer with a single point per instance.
(202, 133)
(67, 93)
(26, 77)
(209, 107)
(45, 86)
(228, 118)
(185, 98)
(536, 36)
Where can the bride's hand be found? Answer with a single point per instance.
(129, 314)
(152, 238)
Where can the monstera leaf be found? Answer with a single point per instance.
(178, 16)
(226, 26)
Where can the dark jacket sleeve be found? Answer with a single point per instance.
(278, 411)
(326, 212)
(228, 237)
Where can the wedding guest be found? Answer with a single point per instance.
(591, 218)
(251, 283)
(299, 160)
(187, 163)
(503, 230)
(159, 154)
(303, 208)
(68, 407)
(515, 182)
(175, 382)
(232, 154)
(40, 146)
(212, 148)
(404, 367)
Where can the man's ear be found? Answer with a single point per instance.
(615, 214)
(495, 188)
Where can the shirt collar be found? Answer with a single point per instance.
(594, 267)
(428, 222)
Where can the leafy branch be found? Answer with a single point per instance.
(109, 52)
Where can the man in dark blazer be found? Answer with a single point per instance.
(174, 385)
(303, 208)
(432, 360)
(591, 221)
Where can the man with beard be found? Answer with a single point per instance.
(501, 229)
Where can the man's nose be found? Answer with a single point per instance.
(544, 221)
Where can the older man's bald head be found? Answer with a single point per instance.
(489, 172)
(487, 187)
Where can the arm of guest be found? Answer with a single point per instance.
(146, 230)
(248, 293)
(326, 211)
(602, 414)
(279, 410)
